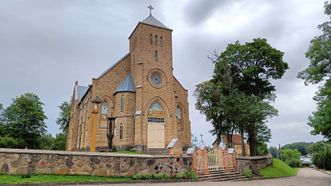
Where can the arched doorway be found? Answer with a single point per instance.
(156, 126)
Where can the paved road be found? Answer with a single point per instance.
(305, 177)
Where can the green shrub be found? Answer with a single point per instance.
(191, 175)
(137, 176)
(147, 176)
(160, 176)
(247, 173)
(180, 175)
(291, 157)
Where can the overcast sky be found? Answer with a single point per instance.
(46, 45)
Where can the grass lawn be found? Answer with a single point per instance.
(34, 179)
(278, 169)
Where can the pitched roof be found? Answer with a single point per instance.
(127, 85)
(111, 67)
(81, 91)
(151, 20)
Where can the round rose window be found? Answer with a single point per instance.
(156, 79)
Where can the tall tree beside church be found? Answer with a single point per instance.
(64, 116)
(241, 80)
(63, 119)
(319, 72)
(209, 102)
(24, 119)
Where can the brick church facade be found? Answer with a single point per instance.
(135, 104)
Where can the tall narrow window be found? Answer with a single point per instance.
(161, 41)
(156, 41)
(121, 131)
(156, 55)
(122, 103)
(151, 39)
(104, 108)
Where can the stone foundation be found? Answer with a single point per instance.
(22, 161)
(255, 163)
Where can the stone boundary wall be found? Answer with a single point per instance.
(23, 161)
(255, 163)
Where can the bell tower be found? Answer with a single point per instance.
(152, 71)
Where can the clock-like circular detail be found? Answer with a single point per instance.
(155, 78)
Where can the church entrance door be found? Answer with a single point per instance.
(155, 135)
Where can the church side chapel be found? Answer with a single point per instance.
(136, 104)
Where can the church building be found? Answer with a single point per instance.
(137, 103)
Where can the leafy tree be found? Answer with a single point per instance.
(322, 155)
(209, 102)
(252, 66)
(2, 129)
(291, 157)
(238, 96)
(274, 152)
(261, 148)
(10, 142)
(64, 116)
(24, 119)
(263, 136)
(47, 141)
(319, 71)
(60, 142)
(302, 147)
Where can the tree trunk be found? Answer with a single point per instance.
(252, 142)
(243, 148)
(217, 141)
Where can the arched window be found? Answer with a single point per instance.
(156, 55)
(179, 116)
(121, 131)
(156, 113)
(151, 39)
(155, 107)
(104, 107)
(161, 41)
(156, 41)
(122, 103)
(178, 113)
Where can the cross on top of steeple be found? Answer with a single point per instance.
(150, 9)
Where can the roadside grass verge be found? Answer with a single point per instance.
(277, 170)
(78, 179)
(40, 179)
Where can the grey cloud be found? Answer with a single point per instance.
(199, 10)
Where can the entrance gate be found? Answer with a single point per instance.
(213, 159)
(217, 159)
